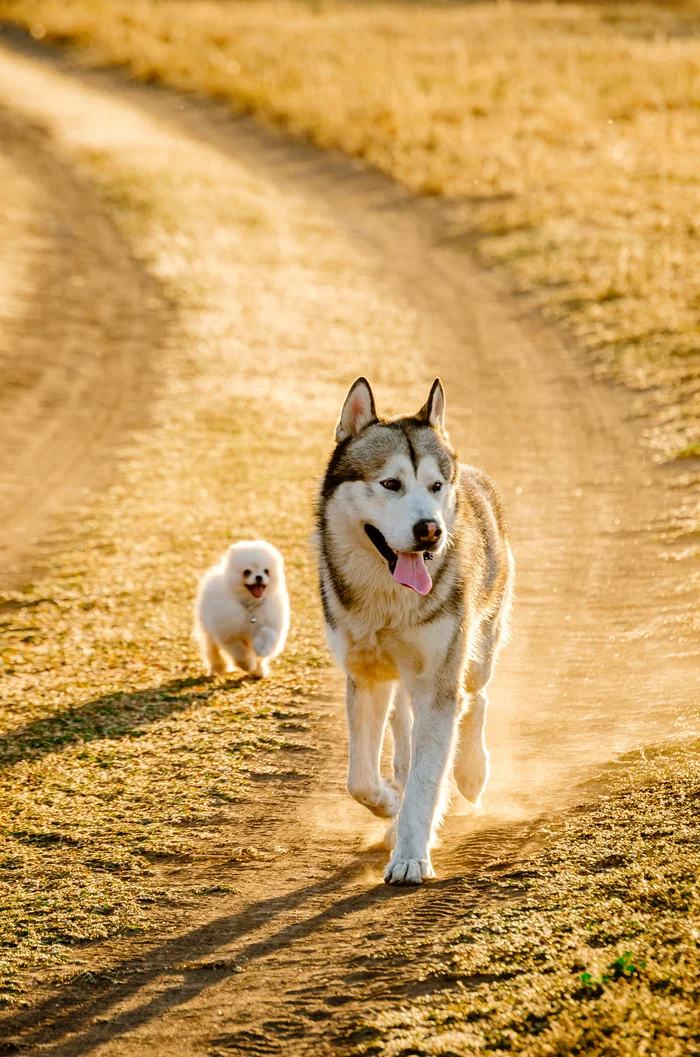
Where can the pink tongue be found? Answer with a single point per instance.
(411, 572)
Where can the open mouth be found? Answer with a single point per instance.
(256, 590)
(406, 567)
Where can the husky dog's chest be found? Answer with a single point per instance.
(384, 659)
(370, 662)
(382, 653)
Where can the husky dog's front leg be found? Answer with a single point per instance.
(401, 721)
(434, 720)
(401, 733)
(367, 708)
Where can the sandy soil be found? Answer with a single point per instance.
(602, 658)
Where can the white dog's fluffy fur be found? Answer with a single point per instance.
(242, 610)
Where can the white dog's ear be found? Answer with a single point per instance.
(358, 410)
(433, 410)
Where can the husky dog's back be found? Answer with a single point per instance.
(416, 581)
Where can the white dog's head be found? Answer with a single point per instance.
(253, 567)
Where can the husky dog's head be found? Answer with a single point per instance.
(252, 568)
(395, 480)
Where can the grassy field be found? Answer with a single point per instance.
(565, 136)
(595, 952)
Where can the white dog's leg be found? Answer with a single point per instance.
(243, 656)
(471, 766)
(367, 708)
(213, 662)
(265, 641)
(434, 721)
(401, 721)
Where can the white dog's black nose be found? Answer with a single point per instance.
(427, 532)
(258, 579)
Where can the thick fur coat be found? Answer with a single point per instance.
(242, 610)
(416, 581)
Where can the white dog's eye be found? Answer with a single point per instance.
(391, 484)
(246, 572)
(437, 487)
(267, 572)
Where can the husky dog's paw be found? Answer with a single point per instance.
(408, 871)
(471, 770)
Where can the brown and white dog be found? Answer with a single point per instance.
(416, 581)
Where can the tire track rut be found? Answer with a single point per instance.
(80, 331)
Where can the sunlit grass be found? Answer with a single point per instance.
(567, 132)
(589, 947)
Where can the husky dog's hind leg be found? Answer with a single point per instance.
(471, 764)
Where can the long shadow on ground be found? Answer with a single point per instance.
(76, 1006)
(113, 715)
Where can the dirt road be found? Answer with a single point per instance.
(78, 338)
(601, 658)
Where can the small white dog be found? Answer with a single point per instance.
(241, 615)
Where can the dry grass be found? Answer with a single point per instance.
(566, 134)
(595, 951)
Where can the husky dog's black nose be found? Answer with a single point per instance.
(427, 532)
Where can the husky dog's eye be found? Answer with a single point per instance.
(391, 484)
(437, 487)
(246, 572)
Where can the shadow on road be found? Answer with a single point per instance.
(114, 715)
(68, 1019)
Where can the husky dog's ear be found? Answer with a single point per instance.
(433, 410)
(358, 410)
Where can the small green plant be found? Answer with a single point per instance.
(691, 451)
(623, 968)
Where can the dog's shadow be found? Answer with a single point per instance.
(92, 1010)
(115, 715)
